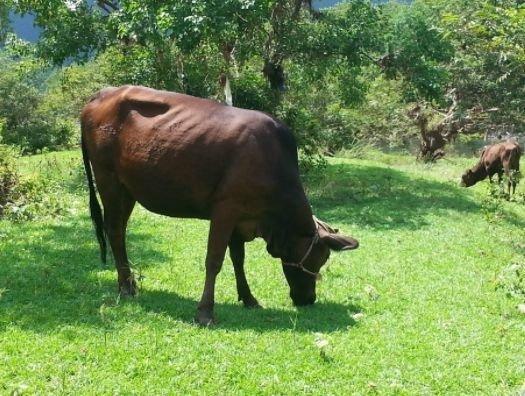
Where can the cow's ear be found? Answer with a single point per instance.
(338, 242)
(321, 225)
(330, 237)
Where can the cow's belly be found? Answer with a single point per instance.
(169, 186)
(169, 200)
(494, 167)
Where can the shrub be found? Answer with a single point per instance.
(39, 194)
(251, 89)
(512, 280)
(9, 177)
(40, 105)
(35, 198)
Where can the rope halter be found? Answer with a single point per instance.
(300, 265)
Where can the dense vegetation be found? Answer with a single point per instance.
(351, 72)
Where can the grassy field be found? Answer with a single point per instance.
(424, 306)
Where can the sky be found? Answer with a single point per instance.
(24, 28)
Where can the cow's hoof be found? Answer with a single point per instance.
(128, 288)
(205, 318)
(251, 303)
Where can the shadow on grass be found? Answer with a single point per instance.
(381, 198)
(322, 316)
(48, 273)
(50, 278)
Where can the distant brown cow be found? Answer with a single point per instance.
(182, 156)
(495, 159)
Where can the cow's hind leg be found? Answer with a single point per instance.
(118, 205)
(244, 293)
(513, 180)
(508, 174)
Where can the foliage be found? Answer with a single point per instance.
(40, 105)
(188, 47)
(380, 121)
(19, 97)
(72, 27)
(26, 123)
(251, 90)
(9, 178)
(68, 90)
(5, 7)
(492, 204)
(37, 194)
(512, 280)
(489, 66)
(351, 71)
(417, 50)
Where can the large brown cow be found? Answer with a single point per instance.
(495, 159)
(183, 156)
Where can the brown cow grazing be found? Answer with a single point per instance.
(495, 159)
(188, 157)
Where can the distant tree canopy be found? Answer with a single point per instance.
(350, 72)
(416, 50)
(230, 32)
(488, 68)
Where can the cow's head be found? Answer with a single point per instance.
(310, 255)
(468, 179)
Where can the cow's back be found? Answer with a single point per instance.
(178, 154)
(502, 155)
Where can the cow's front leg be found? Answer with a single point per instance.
(243, 289)
(221, 228)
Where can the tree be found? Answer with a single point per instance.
(232, 30)
(416, 50)
(489, 66)
(5, 7)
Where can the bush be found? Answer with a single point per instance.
(37, 195)
(35, 198)
(39, 105)
(251, 89)
(512, 280)
(9, 178)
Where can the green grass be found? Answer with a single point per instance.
(415, 310)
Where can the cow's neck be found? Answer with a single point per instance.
(294, 220)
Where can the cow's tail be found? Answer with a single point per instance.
(94, 206)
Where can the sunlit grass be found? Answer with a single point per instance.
(417, 309)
